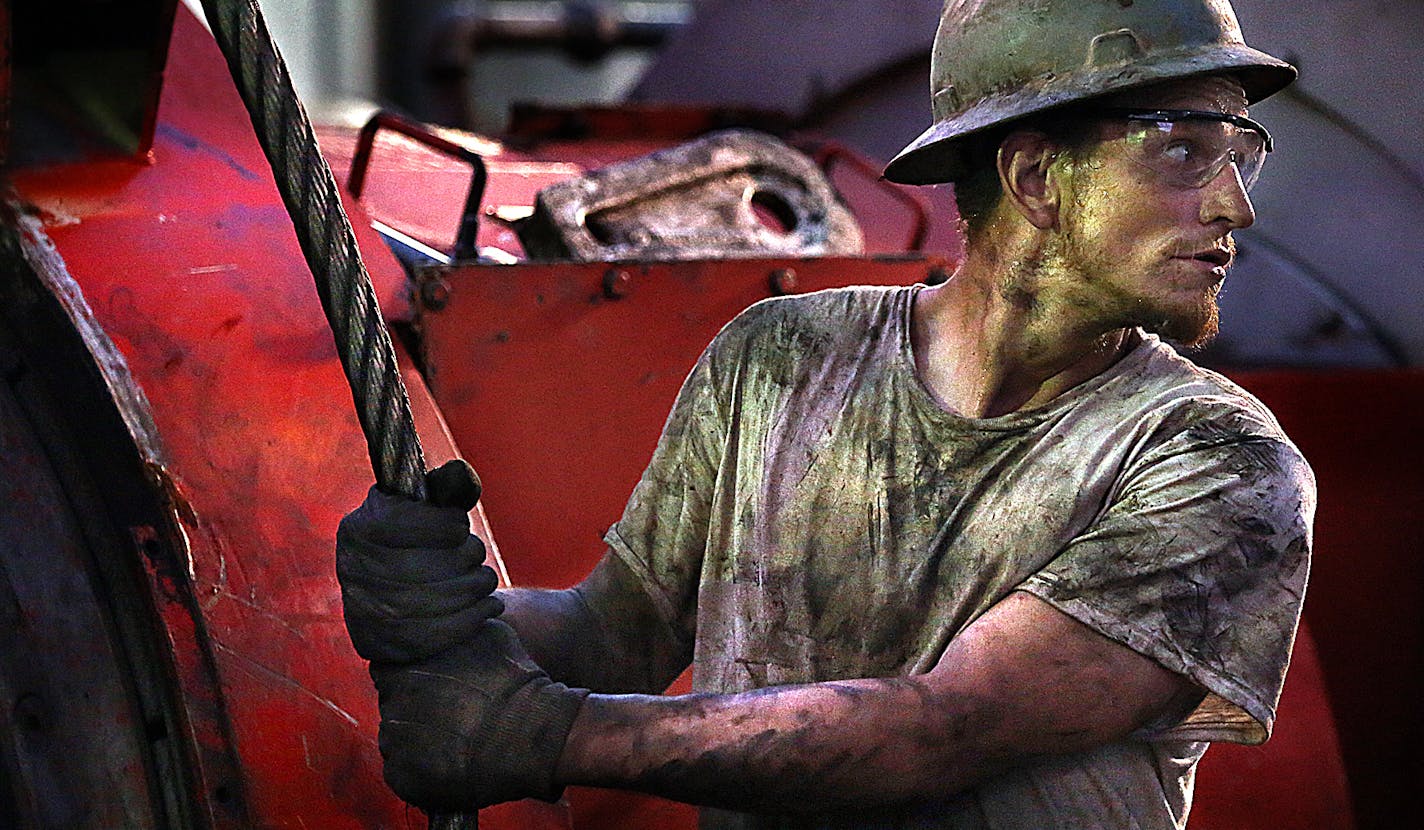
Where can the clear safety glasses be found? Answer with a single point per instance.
(1190, 147)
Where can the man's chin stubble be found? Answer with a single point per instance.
(1190, 330)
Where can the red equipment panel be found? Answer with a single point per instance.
(1365, 603)
(420, 191)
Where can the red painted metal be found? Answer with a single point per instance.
(832, 157)
(464, 247)
(1365, 604)
(191, 268)
(420, 192)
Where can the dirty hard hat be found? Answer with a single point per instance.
(999, 60)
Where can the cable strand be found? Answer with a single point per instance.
(327, 241)
(329, 245)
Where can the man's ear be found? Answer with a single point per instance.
(1025, 163)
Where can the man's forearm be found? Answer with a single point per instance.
(554, 628)
(1023, 682)
(861, 744)
(602, 634)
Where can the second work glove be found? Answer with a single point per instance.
(476, 726)
(413, 578)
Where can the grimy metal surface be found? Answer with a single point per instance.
(54, 591)
(94, 713)
(731, 193)
(188, 264)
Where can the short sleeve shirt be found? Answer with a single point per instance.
(812, 513)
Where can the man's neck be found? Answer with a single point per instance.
(985, 345)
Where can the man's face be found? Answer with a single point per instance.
(1148, 250)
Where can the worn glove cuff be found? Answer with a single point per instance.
(525, 742)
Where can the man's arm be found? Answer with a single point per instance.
(1023, 681)
(603, 634)
(483, 724)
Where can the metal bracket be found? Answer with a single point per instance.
(728, 194)
(465, 246)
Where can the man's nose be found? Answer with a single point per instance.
(1224, 199)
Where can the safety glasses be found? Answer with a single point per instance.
(1190, 147)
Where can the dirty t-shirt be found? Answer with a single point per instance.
(811, 513)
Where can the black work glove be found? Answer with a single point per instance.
(475, 726)
(413, 578)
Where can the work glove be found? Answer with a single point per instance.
(413, 578)
(478, 725)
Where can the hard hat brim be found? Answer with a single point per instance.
(936, 156)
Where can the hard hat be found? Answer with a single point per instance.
(998, 60)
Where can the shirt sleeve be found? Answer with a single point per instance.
(662, 535)
(1200, 563)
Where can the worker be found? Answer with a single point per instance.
(987, 554)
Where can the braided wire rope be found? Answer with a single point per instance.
(329, 245)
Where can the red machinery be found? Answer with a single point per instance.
(179, 446)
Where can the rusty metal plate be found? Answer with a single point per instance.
(735, 193)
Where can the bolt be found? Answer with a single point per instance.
(617, 283)
(435, 294)
(784, 281)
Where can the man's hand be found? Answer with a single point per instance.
(413, 578)
(476, 726)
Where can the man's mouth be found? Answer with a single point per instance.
(1216, 257)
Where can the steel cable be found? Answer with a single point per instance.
(329, 245)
